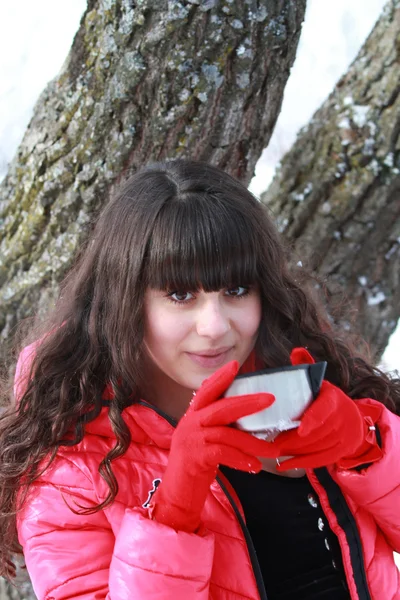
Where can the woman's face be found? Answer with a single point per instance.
(189, 335)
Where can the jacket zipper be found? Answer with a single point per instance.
(250, 546)
(249, 542)
(343, 515)
(347, 523)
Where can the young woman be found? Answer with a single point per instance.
(120, 474)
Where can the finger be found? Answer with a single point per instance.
(302, 448)
(311, 461)
(232, 457)
(319, 437)
(319, 413)
(229, 410)
(228, 436)
(213, 387)
(301, 356)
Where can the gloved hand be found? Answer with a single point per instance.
(202, 441)
(334, 430)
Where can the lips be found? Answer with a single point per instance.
(210, 358)
(215, 352)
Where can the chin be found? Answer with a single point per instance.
(195, 382)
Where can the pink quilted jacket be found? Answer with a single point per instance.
(121, 554)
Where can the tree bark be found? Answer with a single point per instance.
(143, 81)
(20, 590)
(336, 196)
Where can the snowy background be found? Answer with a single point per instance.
(35, 38)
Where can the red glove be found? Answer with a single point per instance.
(202, 441)
(334, 430)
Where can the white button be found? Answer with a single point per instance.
(312, 501)
(334, 565)
(321, 524)
(327, 546)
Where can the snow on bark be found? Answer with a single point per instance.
(336, 196)
(144, 81)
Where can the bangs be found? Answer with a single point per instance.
(201, 243)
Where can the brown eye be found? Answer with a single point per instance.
(238, 291)
(180, 296)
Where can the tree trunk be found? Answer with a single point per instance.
(336, 196)
(143, 81)
(21, 590)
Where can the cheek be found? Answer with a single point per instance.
(164, 329)
(251, 319)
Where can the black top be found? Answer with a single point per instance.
(299, 555)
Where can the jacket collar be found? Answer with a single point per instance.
(148, 424)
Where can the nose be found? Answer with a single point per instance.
(212, 318)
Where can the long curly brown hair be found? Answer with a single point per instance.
(178, 225)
